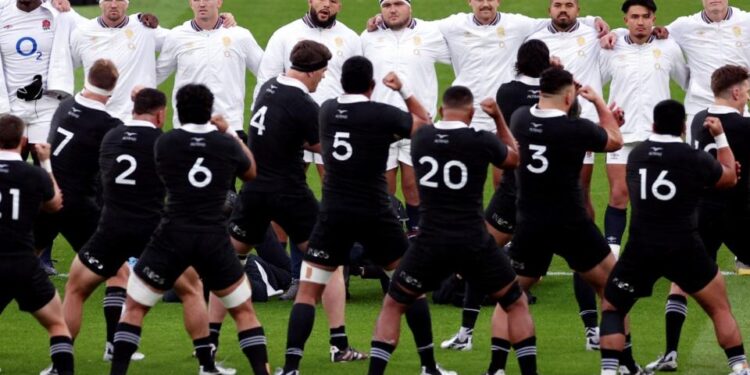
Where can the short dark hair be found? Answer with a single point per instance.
(457, 97)
(356, 75)
(533, 58)
(195, 104)
(648, 4)
(554, 79)
(11, 132)
(103, 74)
(149, 100)
(669, 118)
(727, 76)
(309, 56)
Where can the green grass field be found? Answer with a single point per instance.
(23, 344)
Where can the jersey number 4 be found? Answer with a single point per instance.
(15, 203)
(660, 184)
(259, 120)
(426, 180)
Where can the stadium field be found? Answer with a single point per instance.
(24, 345)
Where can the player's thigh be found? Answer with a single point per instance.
(633, 276)
(383, 239)
(404, 154)
(109, 248)
(501, 212)
(422, 269)
(486, 267)
(80, 223)
(618, 187)
(164, 259)
(690, 266)
(46, 229)
(737, 238)
(215, 260)
(584, 246)
(712, 228)
(296, 213)
(39, 119)
(532, 249)
(392, 161)
(332, 239)
(250, 218)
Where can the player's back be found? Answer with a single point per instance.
(23, 188)
(552, 147)
(284, 119)
(133, 193)
(666, 179)
(198, 166)
(523, 92)
(355, 135)
(450, 161)
(79, 127)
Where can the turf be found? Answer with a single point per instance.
(23, 344)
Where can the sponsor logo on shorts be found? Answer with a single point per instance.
(517, 265)
(92, 261)
(317, 253)
(622, 285)
(410, 280)
(236, 230)
(502, 222)
(153, 276)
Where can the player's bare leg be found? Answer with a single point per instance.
(584, 294)
(411, 196)
(512, 320)
(497, 176)
(50, 316)
(81, 283)
(615, 217)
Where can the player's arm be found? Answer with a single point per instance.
(607, 119)
(490, 107)
(167, 62)
(680, 72)
(272, 63)
(419, 114)
(224, 127)
(43, 151)
(4, 100)
(253, 53)
(723, 153)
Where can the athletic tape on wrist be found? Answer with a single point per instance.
(46, 165)
(721, 140)
(405, 91)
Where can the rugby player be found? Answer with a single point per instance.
(666, 179)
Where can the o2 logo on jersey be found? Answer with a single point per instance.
(27, 46)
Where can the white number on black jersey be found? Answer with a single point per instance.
(68, 137)
(15, 203)
(538, 156)
(339, 140)
(199, 171)
(660, 184)
(709, 147)
(123, 179)
(259, 120)
(435, 166)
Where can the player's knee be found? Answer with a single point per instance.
(241, 294)
(511, 296)
(142, 293)
(613, 323)
(315, 275)
(400, 295)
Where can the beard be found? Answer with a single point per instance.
(322, 24)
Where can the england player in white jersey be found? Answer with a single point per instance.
(409, 47)
(202, 51)
(639, 67)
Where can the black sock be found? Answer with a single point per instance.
(203, 351)
(253, 344)
(380, 354)
(412, 212)
(735, 355)
(626, 358)
(610, 360)
(126, 341)
(114, 300)
(338, 338)
(61, 351)
(472, 305)
(500, 350)
(586, 298)
(301, 322)
(214, 330)
(526, 354)
(615, 220)
(419, 321)
(676, 313)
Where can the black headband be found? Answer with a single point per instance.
(307, 68)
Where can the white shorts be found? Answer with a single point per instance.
(620, 157)
(400, 151)
(483, 122)
(589, 158)
(37, 115)
(309, 157)
(689, 129)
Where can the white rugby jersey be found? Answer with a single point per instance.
(340, 40)
(640, 79)
(411, 53)
(578, 49)
(132, 48)
(708, 46)
(217, 58)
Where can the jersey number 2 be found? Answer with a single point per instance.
(16, 195)
(435, 166)
(123, 179)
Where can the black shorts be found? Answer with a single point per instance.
(22, 278)
(501, 212)
(174, 249)
(581, 244)
(382, 237)
(720, 226)
(295, 212)
(428, 262)
(109, 248)
(683, 261)
(77, 222)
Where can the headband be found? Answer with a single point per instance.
(96, 90)
(408, 2)
(307, 68)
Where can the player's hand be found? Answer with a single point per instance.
(608, 41)
(618, 112)
(229, 20)
(713, 125)
(392, 81)
(61, 5)
(601, 26)
(660, 32)
(490, 107)
(589, 94)
(135, 91)
(374, 23)
(149, 20)
(43, 151)
(220, 123)
(555, 62)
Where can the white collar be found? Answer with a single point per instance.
(352, 98)
(10, 156)
(293, 82)
(546, 113)
(665, 138)
(722, 110)
(140, 123)
(89, 103)
(527, 80)
(450, 125)
(198, 128)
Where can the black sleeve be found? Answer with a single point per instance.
(309, 122)
(711, 169)
(703, 137)
(239, 157)
(697, 128)
(46, 185)
(400, 121)
(592, 136)
(496, 150)
(505, 102)
(60, 113)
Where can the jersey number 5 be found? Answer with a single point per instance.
(339, 141)
(16, 195)
(435, 166)
(660, 183)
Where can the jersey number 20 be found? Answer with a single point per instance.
(435, 166)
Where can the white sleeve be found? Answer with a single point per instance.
(272, 63)
(60, 73)
(253, 53)
(4, 100)
(357, 43)
(167, 62)
(443, 52)
(680, 72)
(77, 18)
(160, 35)
(605, 69)
(677, 28)
(589, 21)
